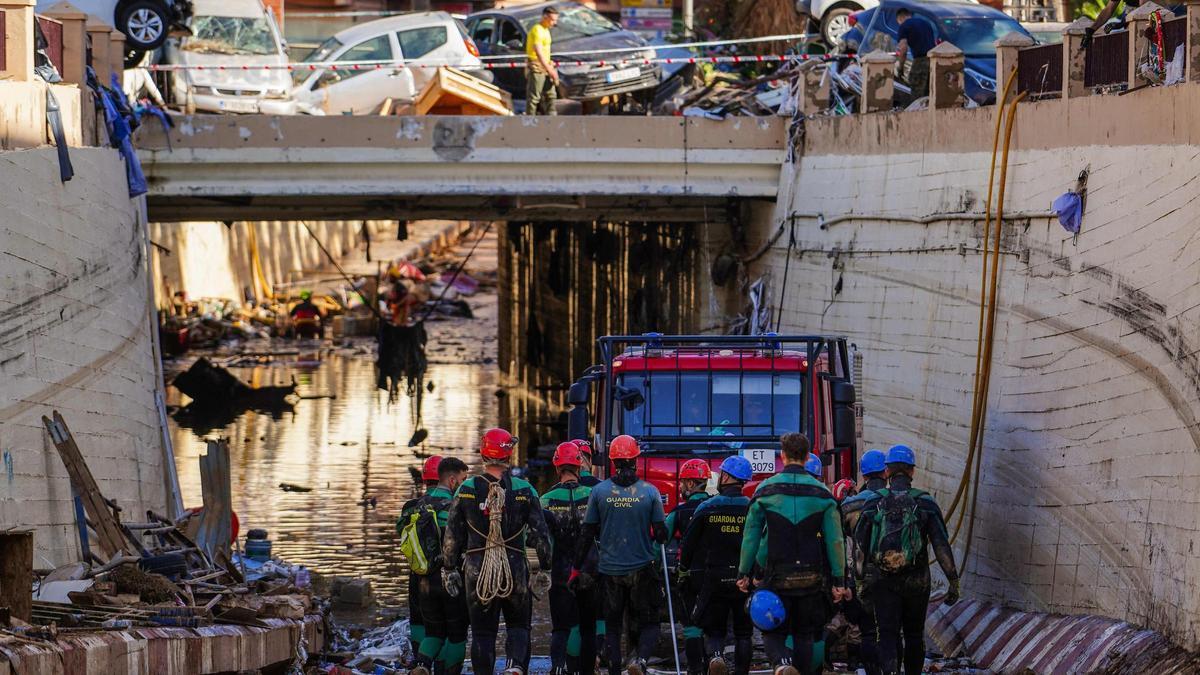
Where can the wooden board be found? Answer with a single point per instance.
(109, 537)
(16, 573)
(453, 92)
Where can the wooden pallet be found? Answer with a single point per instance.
(453, 92)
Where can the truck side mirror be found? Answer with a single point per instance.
(580, 393)
(842, 396)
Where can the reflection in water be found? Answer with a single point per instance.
(347, 449)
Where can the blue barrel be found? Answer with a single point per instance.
(258, 549)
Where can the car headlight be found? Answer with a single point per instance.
(276, 93)
(647, 54)
(203, 91)
(982, 81)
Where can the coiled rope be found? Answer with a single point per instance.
(495, 572)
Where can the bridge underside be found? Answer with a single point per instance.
(566, 168)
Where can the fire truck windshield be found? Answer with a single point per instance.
(678, 405)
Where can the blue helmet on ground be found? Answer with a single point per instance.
(813, 465)
(873, 461)
(901, 454)
(766, 610)
(738, 467)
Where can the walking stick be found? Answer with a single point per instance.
(670, 608)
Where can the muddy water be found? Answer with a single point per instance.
(348, 450)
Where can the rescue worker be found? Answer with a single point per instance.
(416, 619)
(306, 317)
(693, 484)
(494, 516)
(793, 534)
(858, 610)
(896, 577)
(541, 78)
(585, 469)
(572, 615)
(711, 548)
(444, 644)
(625, 519)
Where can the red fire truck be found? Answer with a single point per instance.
(688, 396)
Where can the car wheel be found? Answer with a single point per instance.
(835, 24)
(145, 24)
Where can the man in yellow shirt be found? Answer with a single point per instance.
(541, 79)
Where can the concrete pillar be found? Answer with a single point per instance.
(116, 54)
(99, 33)
(1191, 61)
(74, 40)
(1139, 47)
(878, 75)
(18, 40)
(946, 77)
(1074, 58)
(814, 92)
(1007, 49)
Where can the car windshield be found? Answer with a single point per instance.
(575, 21)
(709, 404)
(324, 51)
(976, 36)
(230, 35)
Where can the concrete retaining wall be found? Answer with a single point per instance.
(74, 337)
(1087, 502)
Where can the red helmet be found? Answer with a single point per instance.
(697, 469)
(567, 454)
(430, 471)
(843, 488)
(623, 447)
(585, 446)
(497, 444)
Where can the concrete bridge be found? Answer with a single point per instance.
(551, 168)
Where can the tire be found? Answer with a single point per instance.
(133, 57)
(835, 23)
(145, 24)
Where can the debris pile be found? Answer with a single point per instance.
(716, 91)
(161, 572)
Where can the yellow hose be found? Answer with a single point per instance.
(991, 339)
(962, 483)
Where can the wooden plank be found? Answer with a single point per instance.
(16, 573)
(453, 91)
(109, 537)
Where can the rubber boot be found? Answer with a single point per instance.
(717, 665)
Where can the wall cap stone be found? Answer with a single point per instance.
(65, 10)
(1144, 11)
(95, 24)
(945, 50)
(1015, 39)
(1078, 26)
(879, 56)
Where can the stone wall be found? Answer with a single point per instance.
(74, 337)
(1092, 448)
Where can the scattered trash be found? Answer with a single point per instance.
(292, 487)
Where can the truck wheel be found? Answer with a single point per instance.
(835, 23)
(144, 23)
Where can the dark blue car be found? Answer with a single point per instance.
(971, 27)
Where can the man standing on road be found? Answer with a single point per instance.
(915, 34)
(793, 534)
(894, 532)
(493, 517)
(625, 517)
(541, 78)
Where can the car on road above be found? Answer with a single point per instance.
(971, 27)
(145, 23)
(394, 45)
(500, 34)
(833, 16)
(227, 35)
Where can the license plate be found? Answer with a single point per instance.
(623, 75)
(762, 461)
(239, 105)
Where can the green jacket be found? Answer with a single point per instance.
(804, 517)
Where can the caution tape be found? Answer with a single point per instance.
(382, 65)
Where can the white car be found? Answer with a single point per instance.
(232, 33)
(145, 23)
(833, 16)
(432, 37)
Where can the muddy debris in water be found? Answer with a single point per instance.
(292, 487)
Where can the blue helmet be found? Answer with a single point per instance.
(813, 465)
(738, 467)
(766, 610)
(901, 454)
(873, 461)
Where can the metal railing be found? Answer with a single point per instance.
(1174, 35)
(1107, 60)
(52, 30)
(1040, 71)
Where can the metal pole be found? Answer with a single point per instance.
(670, 608)
(688, 18)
